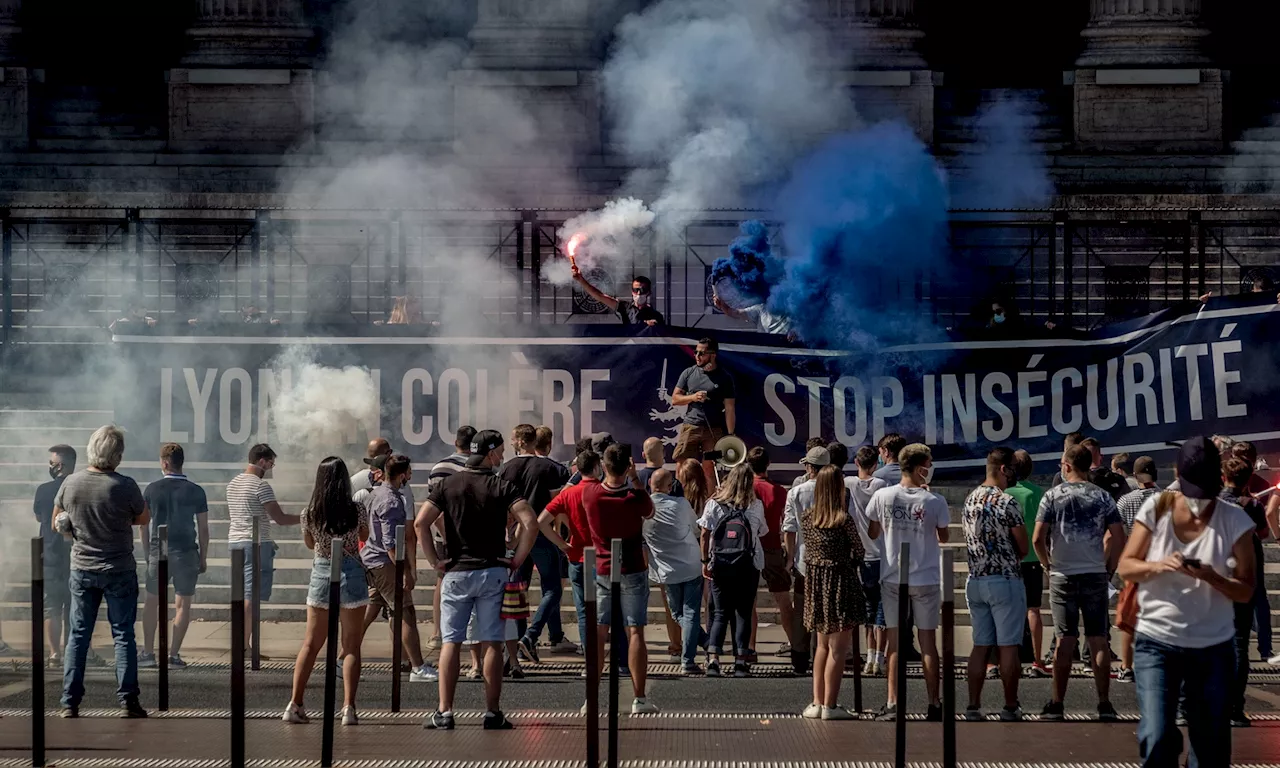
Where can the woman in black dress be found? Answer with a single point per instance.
(833, 601)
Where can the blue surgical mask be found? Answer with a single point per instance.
(998, 319)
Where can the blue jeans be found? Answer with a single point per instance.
(1161, 671)
(1262, 616)
(685, 601)
(546, 558)
(88, 590)
(578, 583)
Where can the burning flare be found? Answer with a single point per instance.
(571, 248)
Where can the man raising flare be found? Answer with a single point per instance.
(638, 311)
(708, 391)
(474, 504)
(180, 504)
(1075, 519)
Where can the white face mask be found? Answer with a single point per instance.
(640, 299)
(928, 475)
(1197, 506)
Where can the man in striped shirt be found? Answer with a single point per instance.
(442, 469)
(249, 496)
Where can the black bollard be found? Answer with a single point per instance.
(237, 658)
(255, 600)
(857, 670)
(162, 597)
(37, 651)
(617, 642)
(331, 653)
(948, 659)
(904, 641)
(397, 621)
(591, 647)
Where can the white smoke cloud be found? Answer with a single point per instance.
(608, 237)
(316, 407)
(722, 96)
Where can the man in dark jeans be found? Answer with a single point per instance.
(97, 510)
(57, 553)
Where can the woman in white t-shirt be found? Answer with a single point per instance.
(732, 557)
(1191, 556)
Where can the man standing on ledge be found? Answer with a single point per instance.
(635, 312)
(708, 391)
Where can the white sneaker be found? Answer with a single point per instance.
(837, 713)
(868, 667)
(1274, 660)
(812, 712)
(583, 710)
(294, 715)
(424, 674)
(643, 707)
(349, 716)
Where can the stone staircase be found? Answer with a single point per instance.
(26, 431)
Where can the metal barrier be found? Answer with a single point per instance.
(162, 618)
(900, 663)
(397, 622)
(331, 653)
(591, 649)
(237, 658)
(37, 652)
(255, 599)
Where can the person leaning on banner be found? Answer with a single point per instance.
(708, 391)
(638, 311)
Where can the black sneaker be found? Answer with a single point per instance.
(740, 669)
(887, 712)
(1107, 712)
(1053, 712)
(131, 709)
(496, 721)
(529, 649)
(934, 713)
(439, 721)
(1240, 720)
(69, 713)
(713, 668)
(692, 670)
(517, 673)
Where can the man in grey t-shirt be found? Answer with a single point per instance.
(97, 510)
(708, 392)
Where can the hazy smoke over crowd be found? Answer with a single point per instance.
(317, 408)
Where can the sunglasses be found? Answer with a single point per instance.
(702, 353)
(641, 291)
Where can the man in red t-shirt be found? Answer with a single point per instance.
(777, 570)
(617, 509)
(565, 513)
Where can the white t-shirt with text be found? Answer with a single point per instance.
(912, 516)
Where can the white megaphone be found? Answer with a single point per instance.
(728, 453)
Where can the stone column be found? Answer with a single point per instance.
(1143, 81)
(245, 82)
(528, 94)
(14, 93)
(878, 45)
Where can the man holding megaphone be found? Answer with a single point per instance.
(708, 392)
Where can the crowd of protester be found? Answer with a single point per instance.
(1187, 562)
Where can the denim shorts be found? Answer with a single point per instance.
(463, 593)
(353, 592)
(870, 571)
(635, 599)
(1081, 593)
(997, 609)
(268, 557)
(184, 572)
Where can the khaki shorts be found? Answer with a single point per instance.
(926, 604)
(776, 576)
(382, 590)
(695, 440)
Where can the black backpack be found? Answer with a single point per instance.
(733, 541)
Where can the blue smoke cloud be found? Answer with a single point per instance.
(863, 216)
(750, 270)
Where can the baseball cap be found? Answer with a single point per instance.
(817, 457)
(1199, 469)
(378, 462)
(485, 441)
(600, 441)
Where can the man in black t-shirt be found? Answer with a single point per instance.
(539, 479)
(475, 504)
(638, 311)
(182, 505)
(57, 553)
(1101, 475)
(708, 391)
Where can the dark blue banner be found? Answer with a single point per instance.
(1135, 386)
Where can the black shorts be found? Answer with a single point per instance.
(1033, 580)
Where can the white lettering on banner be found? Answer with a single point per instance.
(590, 405)
(1167, 398)
(965, 406)
(882, 409)
(1027, 403)
(771, 433)
(1058, 394)
(457, 380)
(1135, 388)
(482, 398)
(989, 383)
(814, 385)
(1192, 353)
(229, 435)
(267, 395)
(415, 380)
(930, 410)
(553, 407)
(199, 399)
(517, 404)
(845, 384)
(1222, 377)
(167, 433)
(1097, 421)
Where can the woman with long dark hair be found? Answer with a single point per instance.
(330, 515)
(732, 557)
